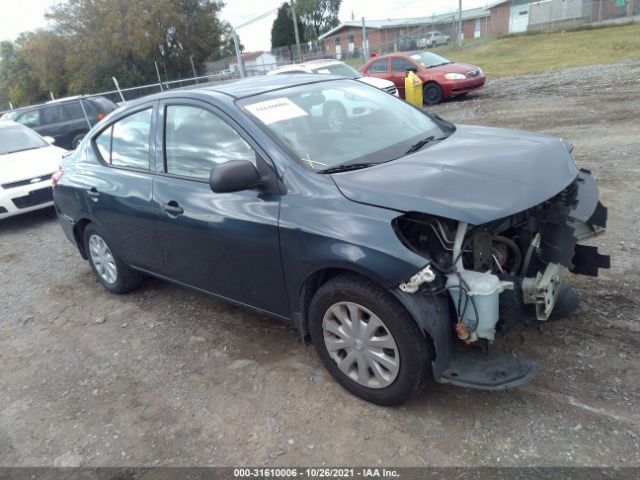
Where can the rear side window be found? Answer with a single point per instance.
(74, 110)
(54, 114)
(126, 142)
(379, 66)
(196, 140)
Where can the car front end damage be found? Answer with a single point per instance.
(498, 276)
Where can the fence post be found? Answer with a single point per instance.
(118, 88)
(195, 75)
(158, 73)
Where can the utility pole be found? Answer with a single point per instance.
(295, 28)
(236, 44)
(460, 23)
(365, 44)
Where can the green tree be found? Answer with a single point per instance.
(123, 38)
(320, 16)
(282, 31)
(17, 84)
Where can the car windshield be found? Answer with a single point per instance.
(428, 59)
(341, 69)
(9, 116)
(342, 122)
(16, 138)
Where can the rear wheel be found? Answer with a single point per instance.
(111, 271)
(432, 93)
(368, 341)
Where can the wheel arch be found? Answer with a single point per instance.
(430, 312)
(78, 235)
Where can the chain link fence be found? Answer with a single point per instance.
(68, 120)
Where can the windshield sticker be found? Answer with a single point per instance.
(324, 70)
(276, 110)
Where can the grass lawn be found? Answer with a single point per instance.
(546, 52)
(551, 51)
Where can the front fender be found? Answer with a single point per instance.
(431, 313)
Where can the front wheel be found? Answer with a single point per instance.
(432, 94)
(368, 341)
(111, 271)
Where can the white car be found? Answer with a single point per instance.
(433, 39)
(28, 162)
(336, 67)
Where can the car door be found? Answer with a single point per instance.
(226, 244)
(399, 67)
(54, 122)
(379, 68)
(118, 184)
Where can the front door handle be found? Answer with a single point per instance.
(172, 208)
(93, 193)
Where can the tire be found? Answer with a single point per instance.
(75, 141)
(404, 361)
(108, 267)
(432, 94)
(336, 117)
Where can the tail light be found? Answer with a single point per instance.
(55, 178)
(100, 116)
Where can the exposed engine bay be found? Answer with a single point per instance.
(510, 271)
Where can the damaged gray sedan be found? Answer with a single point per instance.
(402, 246)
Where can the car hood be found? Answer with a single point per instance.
(454, 68)
(29, 164)
(376, 82)
(477, 175)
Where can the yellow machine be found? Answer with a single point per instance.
(413, 89)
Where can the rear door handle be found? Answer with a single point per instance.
(172, 208)
(93, 193)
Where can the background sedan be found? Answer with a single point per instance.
(441, 78)
(28, 161)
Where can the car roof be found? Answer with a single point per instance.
(251, 86)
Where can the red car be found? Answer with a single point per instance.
(442, 78)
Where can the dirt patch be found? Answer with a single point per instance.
(165, 376)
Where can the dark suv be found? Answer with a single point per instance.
(402, 246)
(66, 120)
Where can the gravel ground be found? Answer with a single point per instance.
(164, 376)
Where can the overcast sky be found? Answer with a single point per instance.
(20, 15)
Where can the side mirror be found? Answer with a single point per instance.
(50, 140)
(234, 176)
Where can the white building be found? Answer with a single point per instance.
(255, 63)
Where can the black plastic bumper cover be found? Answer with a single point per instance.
(473, 368)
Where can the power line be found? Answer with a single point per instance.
(253, 20)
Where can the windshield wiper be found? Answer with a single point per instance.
(346, 167)
(421, 143)
(439, 64)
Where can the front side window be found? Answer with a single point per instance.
(126, 142)
(196, 140)
(379, 66)
(400, 64)
(375, 127)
